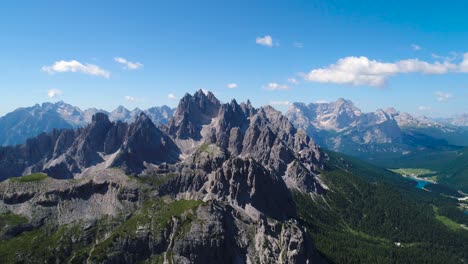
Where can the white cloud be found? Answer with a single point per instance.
(171, 96)
(415, 47)
(276, 86)
(75, 66)
(130, 98)
(52, 93)
(293, 81)
(362, 71)
(265, 41)
(443, 97)
(232, 85)
(463, 67)
(128, 64)
(424, 108)
(280, 103)
(298, 45)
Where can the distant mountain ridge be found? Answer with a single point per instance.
(459, 120)
(342, 127)
(27, 122)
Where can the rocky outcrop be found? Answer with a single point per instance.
(144, 143)
(192, 113)
(68, 153)
(64, 202)
(239, 130)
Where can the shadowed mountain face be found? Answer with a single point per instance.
(64, 153)
(23, 123)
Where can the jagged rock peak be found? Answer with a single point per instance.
(100, 117)
(143, 118)
(192, 113)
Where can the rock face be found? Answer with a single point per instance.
(342, 127)
(192, 113)
(144, 143)
(68, 153)
(343, 118)
(65, 202)
(214, 185)
(264, 135)
(16, 127)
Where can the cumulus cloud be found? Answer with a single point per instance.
(75, 66)
(293, 81)
(463, 67)
(443, 97)
(362, 71)
(53, 93)
(232, 85)
(276, 86)
(280, 103)
(128, 64)
(265, 41)
(415, 47)
(130, 98)
(424, 108)
(171, 96)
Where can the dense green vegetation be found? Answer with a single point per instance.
(457, 137)
(415, 172)
(155, 213)
(30, 178)
(370, 220)
(41, 244)
(10, 220)
(455, 173)
(434, 160)
(451, 167)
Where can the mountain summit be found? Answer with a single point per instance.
(23, 123)
(342, 127)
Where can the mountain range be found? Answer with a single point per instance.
(375, 136)
(27, 122)
(218, 183)
(459, 120)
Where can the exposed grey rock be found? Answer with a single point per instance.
(64, 202)
(144, 142)
(68, 153)
(23, 123)
(192, 113)
(226, 198)
(342, 127)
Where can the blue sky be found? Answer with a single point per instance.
(398, 53)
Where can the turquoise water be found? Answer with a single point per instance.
(421, 184)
